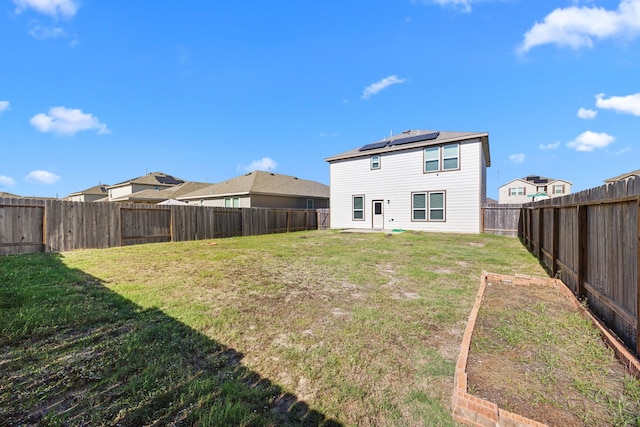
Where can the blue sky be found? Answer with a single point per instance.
(104, 91)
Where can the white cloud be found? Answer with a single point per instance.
(589, 141)
(622, 104)
(6, 181)
(577, 26)
(4, 106)
(67, 121)
(328, 135)
(264, 164)
(42, 177)
(551, 146)
(42, 33)
(463, 5)
(376, 87)
(517, 158)
(587, 114)
(55, 8)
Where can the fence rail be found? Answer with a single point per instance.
(591, 241)
(35, 225)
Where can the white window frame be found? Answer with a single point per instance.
(231, 202)
(517, 191)
(353, 207)
(558, 186)
(439, 159)
(309, 203)
(428, 208)
(375, 162)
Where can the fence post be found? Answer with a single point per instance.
(582, 249)
(555, 241)
(638, 280)
(540, 232)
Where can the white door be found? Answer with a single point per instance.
(378, 217)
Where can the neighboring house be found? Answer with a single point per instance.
(532, 188)
(624, 176)
(416, 180)
(9, 195)
(163, 194)
(156, 181)
(92, 194)
(262, 189)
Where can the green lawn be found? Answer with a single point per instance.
(310, 328)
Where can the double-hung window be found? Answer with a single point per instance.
(309, 203)
(516, 191)
(232, 202)
(375, 161)
(428, 206)
(358, 208)
(558, 189)
(442, 158)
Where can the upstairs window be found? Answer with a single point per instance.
(558, 189)
(375, 161)
(450, 156)
(541, 188)
(517, 191)
(442, 158)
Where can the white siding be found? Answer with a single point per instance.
(400, 175)
(117, 192)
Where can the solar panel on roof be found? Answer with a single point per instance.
(374, 146)
(416, 138)
(168, 179)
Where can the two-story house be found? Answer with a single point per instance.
(416, 180)
(533, 188)
(157, 181)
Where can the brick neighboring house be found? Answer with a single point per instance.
(262, 189)
(532, 188)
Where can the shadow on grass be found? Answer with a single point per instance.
(72, 352)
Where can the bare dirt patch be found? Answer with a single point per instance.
(533, 354)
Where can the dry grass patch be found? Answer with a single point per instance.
(533, 354)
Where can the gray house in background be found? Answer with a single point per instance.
(264, 190)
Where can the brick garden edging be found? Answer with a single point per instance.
(474, 411)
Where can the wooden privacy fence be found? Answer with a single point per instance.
(503, 219)
(34, 225)
(591, 241)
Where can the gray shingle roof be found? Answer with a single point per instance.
(259, 182)
(443, 137)
(155, 196)
(153, 178)
(623, 176)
